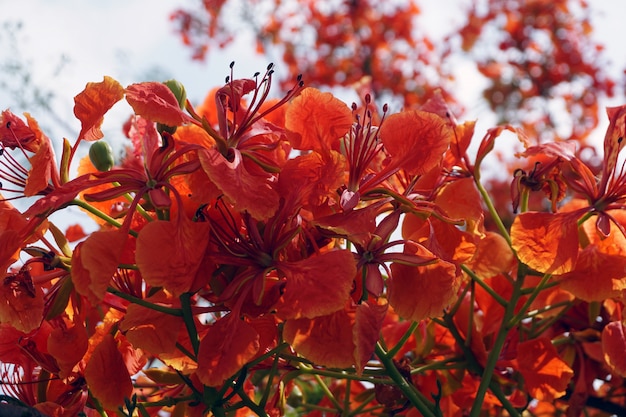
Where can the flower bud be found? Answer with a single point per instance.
(179, 91)
(101, 156)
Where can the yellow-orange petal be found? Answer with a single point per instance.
(546, 375)
(546, 242)
(416, 140)
(597, 276)
(614, 346)
(420, 292)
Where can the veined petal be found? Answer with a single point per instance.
(156, 102)
(106, 374)
(545, 374)
(20, 307)
(61, 338)
(326, 340)
(416, 139)
(169, 253)
(92, 103)
(316, 121)
(150, 330)
(43, 167)
(603, 269)
(614, 346)
(420, 292)
(546, 242)
(317, 285)
(366, 331)
(95, 261)
(228, 345)
(247, 191)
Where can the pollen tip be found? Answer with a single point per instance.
(232, 64)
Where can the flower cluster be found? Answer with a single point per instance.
(300, 256)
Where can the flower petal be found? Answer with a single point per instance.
(416, 139)
(247, 191)
(92, 103)
(228, 345)
(546, 242)
(156, 102)
(325, 340)
(546, 375)
(316, 121)
(366, 331)
(64, 336)
(606, 270)
(169, 253)
(420, 292)
(614, 346)
(317, 285)
(106, 374)
(150, 330)
(95, 262)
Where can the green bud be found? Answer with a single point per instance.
(101, 156)
(179, 91)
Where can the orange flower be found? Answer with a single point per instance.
(549, 242)
(545, 374)
(107, 375)
(43, 174)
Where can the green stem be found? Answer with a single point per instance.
(498, 345)
(329, 394)
(139, 301)
(492, 210)
(392, 352)
(522, 312)
(499, 299)
(407, 389)
(185, 304)
(100, 214)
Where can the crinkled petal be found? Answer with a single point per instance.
(614, 346)
(597, 276)
(156, 102)
(228, 345)
(366, 331)
(92, 103)
(151, 330)
(247, 191)
(64, 336)
(317, 285)
(169, 253)
(107, 376)
(420, 292)
(326, 340)
(546, 242)
(545, 374)
(317, 121)
(416, 140)
(95, 262)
